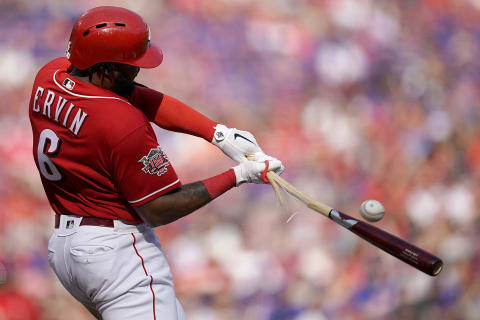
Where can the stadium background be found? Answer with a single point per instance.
(360, 99)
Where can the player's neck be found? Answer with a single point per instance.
(95, 79)
(79, 77)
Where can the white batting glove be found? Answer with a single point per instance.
(236, 144)
(251, 171)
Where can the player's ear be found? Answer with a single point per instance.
(109, 70)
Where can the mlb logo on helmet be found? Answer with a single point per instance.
(67, 52)
(69, 84)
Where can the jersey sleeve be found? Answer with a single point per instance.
(172, 114)
(141, 169)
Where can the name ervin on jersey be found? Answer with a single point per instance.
(73, 117)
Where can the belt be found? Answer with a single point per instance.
(89, 221)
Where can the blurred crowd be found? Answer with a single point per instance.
(359, 99)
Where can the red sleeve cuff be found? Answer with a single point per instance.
(221, 183)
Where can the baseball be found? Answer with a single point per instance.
(372, 210)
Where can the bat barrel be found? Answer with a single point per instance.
(397, 247)
(403, 250)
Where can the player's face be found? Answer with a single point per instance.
(124, 76)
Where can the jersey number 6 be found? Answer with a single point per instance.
(48, 147)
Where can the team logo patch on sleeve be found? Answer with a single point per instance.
(155, 162)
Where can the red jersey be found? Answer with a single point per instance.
(97, 154)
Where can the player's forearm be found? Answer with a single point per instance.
(185, 199)
(176, 116)
(177, 204)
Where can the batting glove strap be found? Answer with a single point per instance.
(260, 156)
(251, 171)
(236, 144)
(263, 175)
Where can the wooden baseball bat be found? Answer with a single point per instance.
(395, 246)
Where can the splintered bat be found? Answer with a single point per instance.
(399, 248)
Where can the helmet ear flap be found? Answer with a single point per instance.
(111, 34)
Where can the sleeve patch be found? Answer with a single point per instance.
(156, 162)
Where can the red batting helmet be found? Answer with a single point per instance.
(112, 34)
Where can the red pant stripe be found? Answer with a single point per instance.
(145, 270)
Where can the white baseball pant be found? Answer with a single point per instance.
(120, 272)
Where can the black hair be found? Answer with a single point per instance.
(100, 68)
(107, 69)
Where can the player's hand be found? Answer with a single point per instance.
(251, 171)
(236, 144)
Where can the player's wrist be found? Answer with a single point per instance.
(236, 144)
(219, 184)
(220, 134)
(240, 176)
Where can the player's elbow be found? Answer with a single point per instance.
(151, 216)
(174, 205)
(161, 211)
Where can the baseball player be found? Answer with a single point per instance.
(106, 176)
